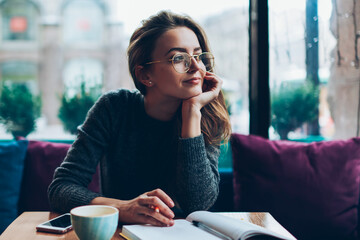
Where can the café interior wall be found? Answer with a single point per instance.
(343, 85)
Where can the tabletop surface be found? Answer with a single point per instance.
(24, 227)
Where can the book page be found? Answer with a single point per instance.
(263, 219)
(181, 230)
(236, 229)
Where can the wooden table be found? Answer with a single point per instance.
(24, 227)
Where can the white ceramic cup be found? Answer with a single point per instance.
(94, 222)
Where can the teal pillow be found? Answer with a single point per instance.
(12, 155)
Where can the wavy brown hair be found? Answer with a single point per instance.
(215, 123)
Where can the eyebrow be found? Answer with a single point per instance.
(181, 50)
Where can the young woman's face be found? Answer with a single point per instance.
(167, 82)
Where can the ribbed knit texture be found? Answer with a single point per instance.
(141, 154)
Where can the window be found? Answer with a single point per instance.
(86, 71)
(300, 64)
(228, 39)
(9, 72)
(83, 22)
(19, 20)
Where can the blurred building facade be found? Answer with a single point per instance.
(229, 42)
(54, 45)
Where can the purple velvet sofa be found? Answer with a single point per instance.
(312, 189)
(31, 164)
(42, 158)
(27, 169)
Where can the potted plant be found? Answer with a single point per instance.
(74, 108)
(19, 109)
(292, 106)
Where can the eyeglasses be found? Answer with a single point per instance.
(182, 61)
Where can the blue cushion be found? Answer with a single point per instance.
(12, 155)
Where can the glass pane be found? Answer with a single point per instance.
(300, 64)
(82, 71)
(18, 20)
(228, 36)
(83, 22)
(28, 74)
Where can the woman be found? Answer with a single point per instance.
(159, 147)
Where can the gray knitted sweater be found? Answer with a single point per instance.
(137, 154)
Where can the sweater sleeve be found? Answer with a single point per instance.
(197, 174)
(69, 186)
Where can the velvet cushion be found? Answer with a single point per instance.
(311, 189)
(12, 156)
(42, 159)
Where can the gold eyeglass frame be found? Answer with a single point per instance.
(196, 56)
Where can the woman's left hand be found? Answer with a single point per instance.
(211, 89)
(191, 115)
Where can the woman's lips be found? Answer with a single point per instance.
(193, 81)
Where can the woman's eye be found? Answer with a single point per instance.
(178, 59)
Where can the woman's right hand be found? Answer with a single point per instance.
(143, 209)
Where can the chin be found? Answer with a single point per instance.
(193, 94)
(197, 90)
(194, 91)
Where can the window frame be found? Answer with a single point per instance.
(25, 44)
(259, 87)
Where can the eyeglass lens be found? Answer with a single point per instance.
(182, 61)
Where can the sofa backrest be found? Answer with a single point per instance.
(311, 189)
(12, 155)
(42, 158)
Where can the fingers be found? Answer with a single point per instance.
(158, 216)
(159, 201)
(212, 83)
(163, 196)
(153, 208)
(139, 211)
(211, 89)
(156, 209)
(154, 204)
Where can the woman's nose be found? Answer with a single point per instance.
(195, 65)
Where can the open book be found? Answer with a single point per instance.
(212, 226)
